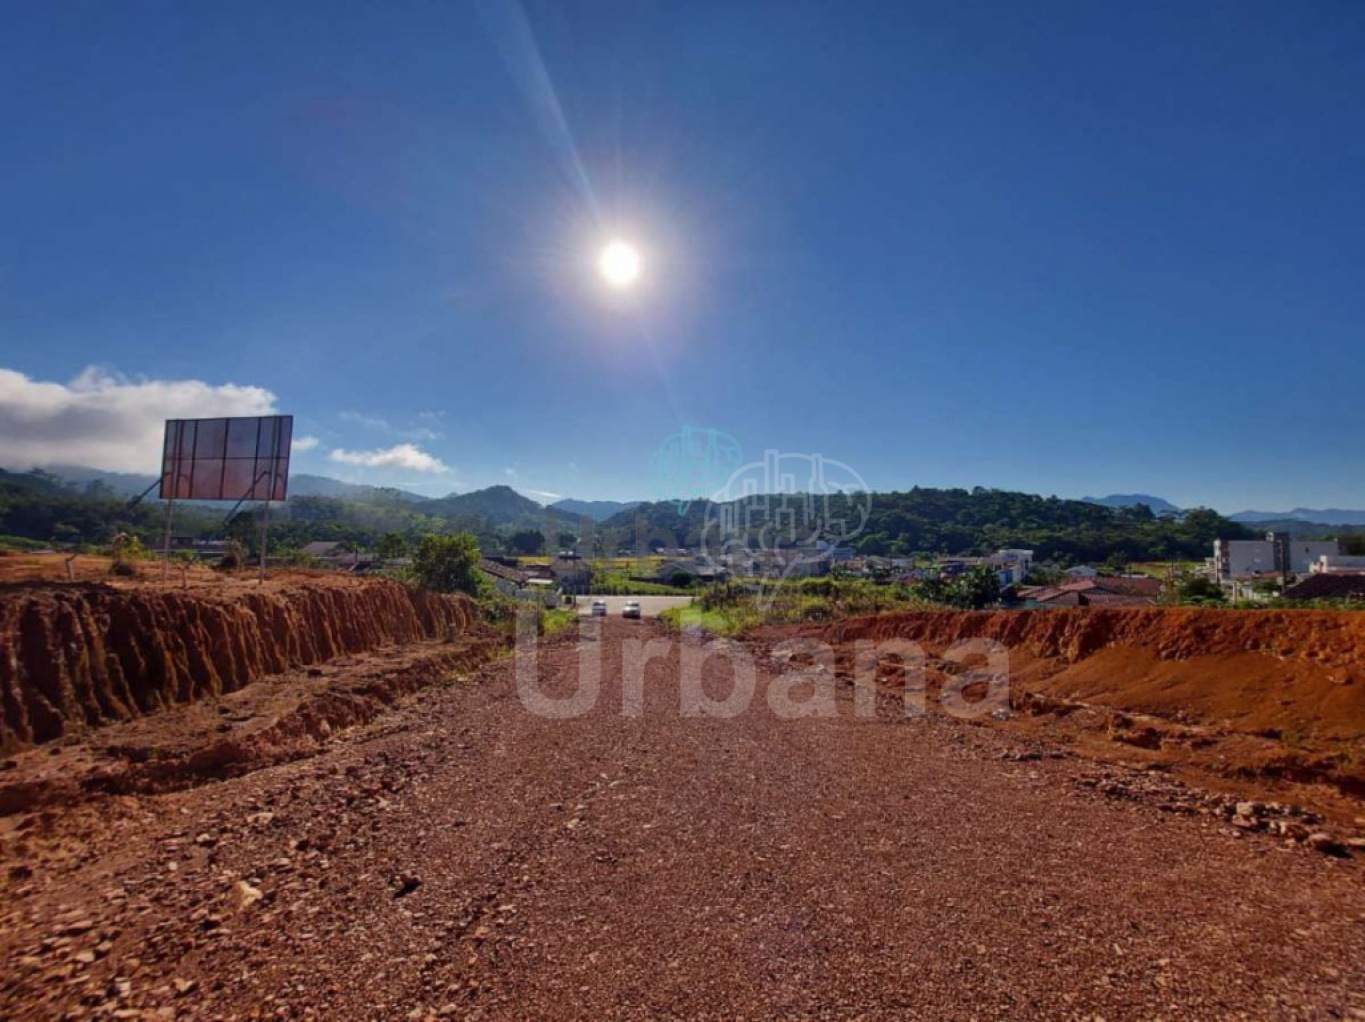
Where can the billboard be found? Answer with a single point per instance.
(227, 459)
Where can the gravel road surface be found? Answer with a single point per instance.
(464, 858)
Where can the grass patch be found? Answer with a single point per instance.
(622, 584)
(22, 544)
(731, 610)
(559, 619)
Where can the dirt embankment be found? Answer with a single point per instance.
(1258, 702)
(79, 656)
(1258, 670)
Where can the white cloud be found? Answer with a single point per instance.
(510, 472)
(104, 420)
(304, 443)
(546, 496)
(408, 456)
(379, 424)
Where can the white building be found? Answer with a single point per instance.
(1277, 554)
(1011, 565)
(1339, 564)
(1303, 554)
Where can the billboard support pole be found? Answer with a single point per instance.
(265, 538)
(166, 543)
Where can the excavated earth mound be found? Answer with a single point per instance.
(1254, 698)
(74, 657)
(1255, 670)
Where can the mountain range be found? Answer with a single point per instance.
(1317, 516)
(1157, 504)
(504, 505)
(597, 510)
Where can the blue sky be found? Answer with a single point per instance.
(1065, 248)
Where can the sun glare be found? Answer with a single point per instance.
(620, 264)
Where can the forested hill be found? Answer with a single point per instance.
(958, 521)
(918, 521)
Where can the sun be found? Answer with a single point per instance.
(620, 264)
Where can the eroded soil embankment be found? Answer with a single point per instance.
(1287, 670)
(1328, 638)
(1254, 695)
(80, 656)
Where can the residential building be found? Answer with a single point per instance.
(336, 554)
(519, 584)
(1339, 564)
(1011, 565)
(572, 574)
(1331, 586)
(1107, 591)
(694, 571)
(1277, 554)
(506, 580)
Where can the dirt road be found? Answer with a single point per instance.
(465, 858)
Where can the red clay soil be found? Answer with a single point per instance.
(466, 858)
(1257, 703)
(1254, 670)
(83, 655)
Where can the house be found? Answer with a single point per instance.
(520, 585)
(336, 554)
(1011, 565)
(1125, 591)
(1277, 554)
(951, 567)
(1081, 572)
(1338, 564)
(572, 574)
(1132, 585)
(200, 547)
(506, 580)
(789, 562)
(694, 571)
(910, 576)
(1328, 586)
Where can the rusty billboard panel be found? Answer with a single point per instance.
(227, 459)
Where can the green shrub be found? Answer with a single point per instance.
(449, 564)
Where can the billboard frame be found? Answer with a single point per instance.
(204, 459)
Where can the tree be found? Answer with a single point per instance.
(1197, 589)
(977, 588)
(527, 541)
(242, 527)
(567, 540)
(448, 564)
(391, 546)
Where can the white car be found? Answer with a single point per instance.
(599, 608)
(631, 609)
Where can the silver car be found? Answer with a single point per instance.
(631, 609)
(599, 608)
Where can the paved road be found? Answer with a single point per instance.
(650, 606)
(469, 859)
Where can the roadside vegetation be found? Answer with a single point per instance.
(732, 609)
(622, 583)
